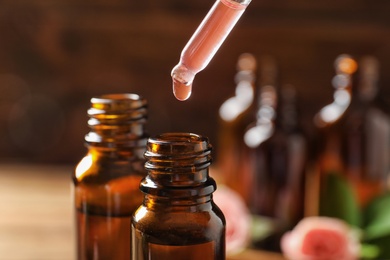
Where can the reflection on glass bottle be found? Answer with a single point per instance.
(342, 82)
(106, 181)
(178, 218)
(235, 114)
(354, 147)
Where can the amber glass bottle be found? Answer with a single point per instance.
(276, 161)
(234, 115)
(353, 155)
(106, 181)
(178, 218)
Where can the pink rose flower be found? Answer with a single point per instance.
(320, 238)
(237, 218)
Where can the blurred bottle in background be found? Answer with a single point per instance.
(106, 181)
(275, 160)
(235, 114)
(353, 156)
(325, 138)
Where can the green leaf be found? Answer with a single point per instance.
(377, 218)
(382, 244)
(369, 251)
(338, 200)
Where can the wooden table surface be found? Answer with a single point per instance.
(36, 215)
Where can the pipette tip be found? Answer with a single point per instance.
(182, 79)
(181, 91)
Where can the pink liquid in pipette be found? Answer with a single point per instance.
(205, 42)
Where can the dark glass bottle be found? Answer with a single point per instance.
(234, 115)
(366, 151)
(106, 181)
(354, 146)
(178, 218)
(276, 162)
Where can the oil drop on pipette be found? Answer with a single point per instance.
(204, 43)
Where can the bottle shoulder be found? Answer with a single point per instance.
(357, 116)
(99, 169)
(201, 224)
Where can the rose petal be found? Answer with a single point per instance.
(237, 218)
(320, 238)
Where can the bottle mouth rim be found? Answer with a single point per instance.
(125, 107)
(177, 144)
(172, 152)
(117, 102)
(109, 98)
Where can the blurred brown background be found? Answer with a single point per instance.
(55, 55)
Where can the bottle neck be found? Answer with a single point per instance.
(117, 122)
(368, 79)
(118, 153)
(179, 185)
(158, 197)
(178, 168)
(342, 82)
(267, 94)
(158, 204)
(288, 110)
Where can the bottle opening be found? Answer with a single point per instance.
(178, 151)
(117, 120)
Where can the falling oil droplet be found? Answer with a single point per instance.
(182, 79)
(181, 91)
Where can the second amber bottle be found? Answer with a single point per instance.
(106, 181)
(178, 218)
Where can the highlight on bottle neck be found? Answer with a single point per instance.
(178, 152)
(345, 67)
(117, 120)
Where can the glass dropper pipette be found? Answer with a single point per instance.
(204, 43)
